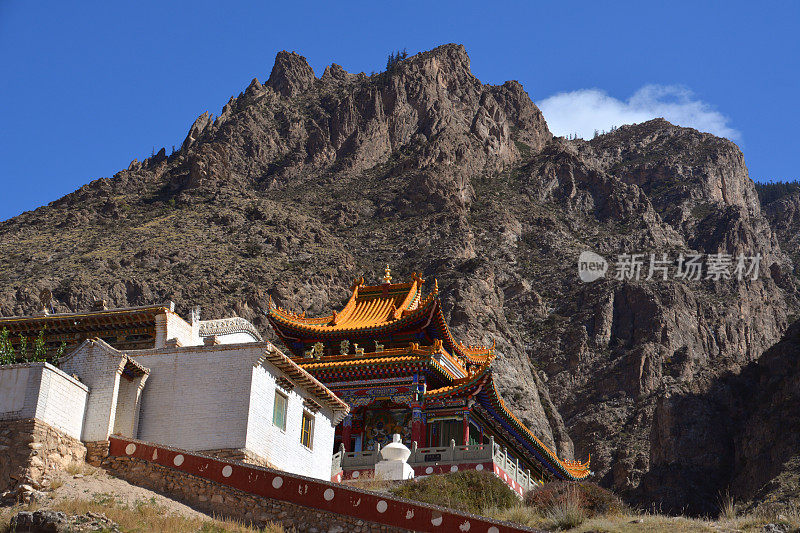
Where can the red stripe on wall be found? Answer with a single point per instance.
(313, 493)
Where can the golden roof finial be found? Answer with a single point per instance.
(387, 274)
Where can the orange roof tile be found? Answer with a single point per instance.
(368, 306)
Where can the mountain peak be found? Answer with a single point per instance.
(291, 74)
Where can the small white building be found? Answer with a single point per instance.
(211, 386)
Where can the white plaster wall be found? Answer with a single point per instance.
(40, 390)
(236, 338)
(13, 385)
(283, 448)
(97, 365)
(178, 328)
(127, 402)
(197, 398)
(62, 401)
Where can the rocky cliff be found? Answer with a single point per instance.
(303, 183)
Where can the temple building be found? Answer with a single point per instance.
(390, 356)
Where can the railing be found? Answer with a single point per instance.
(453, 454)
(512, 468)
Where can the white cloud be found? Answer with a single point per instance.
(583, 111)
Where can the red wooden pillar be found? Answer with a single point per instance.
(466, 427)
(417, 426)
(347, 426)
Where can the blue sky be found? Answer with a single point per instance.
(89, 86)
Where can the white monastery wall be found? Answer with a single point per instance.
(236, 338)
(13, 391)
(196, 398)
(171, 327)
(126, 421)
(284, 448)
(97, 366)
(41, 391)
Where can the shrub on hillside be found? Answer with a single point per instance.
(590, 498)
(469, 491)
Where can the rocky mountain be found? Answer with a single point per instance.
(303, 183)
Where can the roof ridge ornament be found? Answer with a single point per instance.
(387, 274)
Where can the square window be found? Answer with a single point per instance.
(279, 410)
(307, 431)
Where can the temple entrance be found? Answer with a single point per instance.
(440, 432)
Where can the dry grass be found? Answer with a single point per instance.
(627, 523)
(368, 481)
(80, 468)
(144, 516)
(519, 514)
(727, 506)
(647, 522)
(566, 508)
(567, 512)
(468, 490)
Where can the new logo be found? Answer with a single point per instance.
(591, 266)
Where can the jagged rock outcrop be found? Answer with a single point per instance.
(303, 183)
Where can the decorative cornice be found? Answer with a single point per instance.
(228, 326)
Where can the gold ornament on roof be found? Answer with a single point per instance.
(318, 349)
(387, 274)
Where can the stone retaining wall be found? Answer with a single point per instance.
(96, 451)
(31, 451)
(243, 455)
(259, 494)
(219, 500)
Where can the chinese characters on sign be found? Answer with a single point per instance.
(660, 267)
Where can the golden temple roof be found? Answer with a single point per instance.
(369, 306)
(378, 307)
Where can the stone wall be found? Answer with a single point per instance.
(241, 454)
(217, 499)
(259, 494)
(31, 451)
(96, 451)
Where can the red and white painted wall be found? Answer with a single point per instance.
(312, 493)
